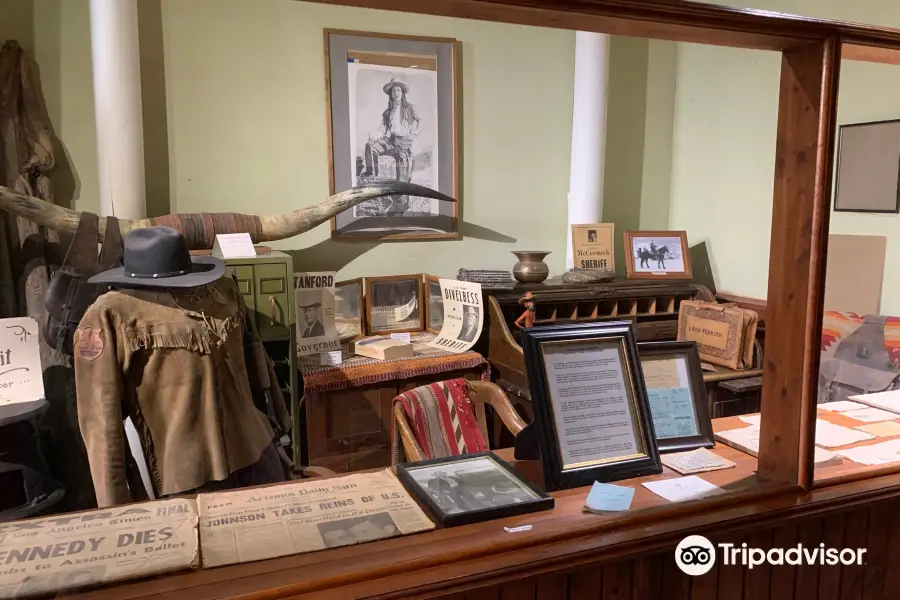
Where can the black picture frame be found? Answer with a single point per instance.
(405, 472)
(557, 475)
(704, 438)
(841, 158)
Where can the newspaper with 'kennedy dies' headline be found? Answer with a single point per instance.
(257, 524)
(76, 550)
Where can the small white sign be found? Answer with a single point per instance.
(403, 337)
(21, 375)
(331, 359)
(234, 245)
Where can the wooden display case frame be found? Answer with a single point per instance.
(370, 281)
(363, 309)
(596, 557)
(426, 279)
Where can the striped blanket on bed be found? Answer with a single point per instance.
(442, 419)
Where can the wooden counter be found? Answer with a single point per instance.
(627, 555)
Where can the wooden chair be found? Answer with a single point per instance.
(480, 393)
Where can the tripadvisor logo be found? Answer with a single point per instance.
(696, 555)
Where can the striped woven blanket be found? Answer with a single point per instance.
(442, 420)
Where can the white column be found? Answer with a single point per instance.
(117, 103)
(588, 133)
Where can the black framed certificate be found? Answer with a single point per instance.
(591, 407)
(674, 381)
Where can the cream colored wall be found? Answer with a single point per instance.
(247, 130)
(234, 120)
(724, 144)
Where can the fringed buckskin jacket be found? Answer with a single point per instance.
(173, 361)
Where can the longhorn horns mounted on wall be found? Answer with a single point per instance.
(200, 229)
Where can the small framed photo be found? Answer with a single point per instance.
(434, 305)
(393, 304)
(868, 168)
(349, 307)
(590, 404)
(657, 255)
(460, 490)
(674, 381)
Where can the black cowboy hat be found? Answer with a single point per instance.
(159, 257)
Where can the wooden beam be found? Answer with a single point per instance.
(656, 19)
(800, 212)
(890, 56)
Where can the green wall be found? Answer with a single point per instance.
(724, 145)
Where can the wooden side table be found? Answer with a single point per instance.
(348, 407)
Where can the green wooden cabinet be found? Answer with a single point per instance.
(266, 282)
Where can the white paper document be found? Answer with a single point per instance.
(830, 435)
(751, 419)
(316, 329)
(683, 488)
(874, 454)
(233, 245)
(590, 401)
(745, 439)
(841, 406)
(695, 461)
(871, 415)
(21, 375)
(885, 400)
(463, 316)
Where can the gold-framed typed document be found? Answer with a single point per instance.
(590, 404)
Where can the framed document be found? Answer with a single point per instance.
(678, 403)
(434, 305)
(472, 488)
(393, 304)
(590, 405)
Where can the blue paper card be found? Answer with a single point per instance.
(609, 497)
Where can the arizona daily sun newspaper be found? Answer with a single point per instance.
(314, 299)
(311, 515)
(77, 550)
(463, 316)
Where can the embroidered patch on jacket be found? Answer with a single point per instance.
(88, 343)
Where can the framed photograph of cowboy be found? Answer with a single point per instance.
(657, 255)
(392, 110)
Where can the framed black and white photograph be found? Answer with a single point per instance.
(472, 488)
(591, 408)
(393, 304)
(392, 112)
(868, 168)
(678, 402)
(657, 255)
(434, 305)
(349, 308)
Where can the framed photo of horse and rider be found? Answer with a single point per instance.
(392, 110)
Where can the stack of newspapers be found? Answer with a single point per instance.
(490, 280)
